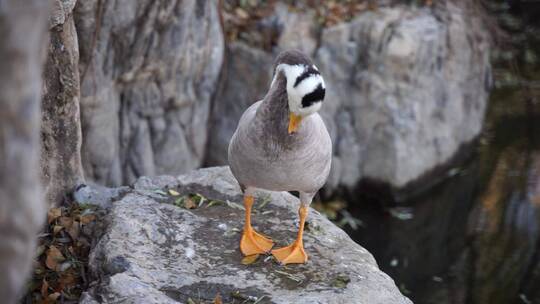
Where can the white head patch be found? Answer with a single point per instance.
(305, 88)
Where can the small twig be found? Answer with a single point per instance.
(265, 201)
(290, 276)
(202, 200)
(235, 206)
(212, 203)
(260, 299)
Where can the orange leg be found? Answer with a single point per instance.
(253, 242)
(294, 253)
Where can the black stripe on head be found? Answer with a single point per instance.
(310, 71)
(313, 97)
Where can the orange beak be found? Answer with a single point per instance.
(294, 122)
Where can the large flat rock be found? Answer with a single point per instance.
(153, 251)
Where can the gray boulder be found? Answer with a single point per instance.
(153, 251)
(148, 71)
(245, 73)
(97, 195)
(407, 87)
(299, 29)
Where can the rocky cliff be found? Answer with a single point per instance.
(128, 90)
(148, 73)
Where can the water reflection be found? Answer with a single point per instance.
(474, 238)
(504, 229)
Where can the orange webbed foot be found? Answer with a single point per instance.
(254, 243)
(292, 254)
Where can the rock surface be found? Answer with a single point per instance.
(406, 89)
(61, 125)
(246, 71)
(155, 252)
(98, 195)
(148, 72)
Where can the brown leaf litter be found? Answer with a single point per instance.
(61, 259)
(251, 20)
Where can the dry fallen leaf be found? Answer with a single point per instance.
(189, 203)
(85, 219)
(61, 256)
(73, 231)
(53, 214)
(242, 14)
(67, 279)
(57, 228)
(217, 299)
(54, 256)
(53, 297)
(65, 222)
(250, 259)
(173, 192)
(45, 288)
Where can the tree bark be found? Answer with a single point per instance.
(61, 125)
(23, 32)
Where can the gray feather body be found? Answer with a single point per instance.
(263, 155)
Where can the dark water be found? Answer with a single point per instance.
(475, 237)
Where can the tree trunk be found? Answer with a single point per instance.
(23, 32)
(61, 126)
